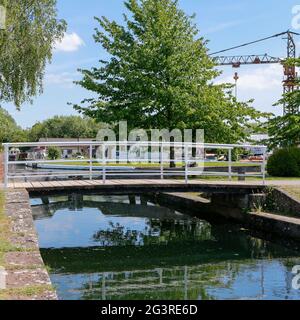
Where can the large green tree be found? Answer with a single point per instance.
(284, 131)
(26, 45)
(65, 127)
(160, 75)
(9, 130)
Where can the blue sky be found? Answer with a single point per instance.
(223, 23)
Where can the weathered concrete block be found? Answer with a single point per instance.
(285, 227)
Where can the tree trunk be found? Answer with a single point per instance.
(172, 154)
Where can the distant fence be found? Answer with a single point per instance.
(104, 160)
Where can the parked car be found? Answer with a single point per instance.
(256, 158)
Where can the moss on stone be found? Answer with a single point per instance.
(28, 292)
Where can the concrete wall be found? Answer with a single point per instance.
(280, 201)
(220, 207)
(230, 207)
(284, 227)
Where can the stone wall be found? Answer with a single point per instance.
(24, 265)
(1, 168)
(281, 201)
(284, 227)
(230, 207)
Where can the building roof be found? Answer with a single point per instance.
(259, 137)
(65, 139)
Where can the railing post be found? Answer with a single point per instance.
(161, 158)
(230, 164)
(263, 167)
(104, 162)
(6, 166)
(186, 173)
(91, 162)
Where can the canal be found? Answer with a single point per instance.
(101, 247)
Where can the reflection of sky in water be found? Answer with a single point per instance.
(76, 228)
(254, 280)
(265, 280)
(229, 278)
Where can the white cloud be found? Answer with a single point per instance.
(64, 79)
(261, 83)
(71, 42)
(260, 78)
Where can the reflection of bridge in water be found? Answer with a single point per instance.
(179, 261)
(139, 207)
(177, 283)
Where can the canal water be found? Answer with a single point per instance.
(127, 247)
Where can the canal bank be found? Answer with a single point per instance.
(25, 277)
(247, 209)
(125, 246)
(1, 169)
(28, 277)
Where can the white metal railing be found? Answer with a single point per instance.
(99, 165)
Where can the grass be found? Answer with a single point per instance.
(5, 233)
(284, 178)
(5, 245)
(153, 165)
(25, 292)
(293, 191)
(248, 178)
(206, 164)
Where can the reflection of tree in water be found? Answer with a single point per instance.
(117, 235)
(176, 283)
(155, 232)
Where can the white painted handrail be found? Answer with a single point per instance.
(103, 169)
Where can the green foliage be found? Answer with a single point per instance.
(65, 127)
(237, 153)
(285, 131)
(295, 153)
(159, 75)
(54, 153)
(26, 46)
(9, 130)
(284, 163)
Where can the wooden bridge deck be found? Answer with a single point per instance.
(79, 183)
(146, 185)
(44, 186)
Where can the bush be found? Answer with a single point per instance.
(295, 152)
(54, 153)
(285, 163)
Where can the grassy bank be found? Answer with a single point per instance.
(5, 245)
(6, 234)
(293, 191)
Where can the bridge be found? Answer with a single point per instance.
(138, 165)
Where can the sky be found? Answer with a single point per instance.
(223, 23)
